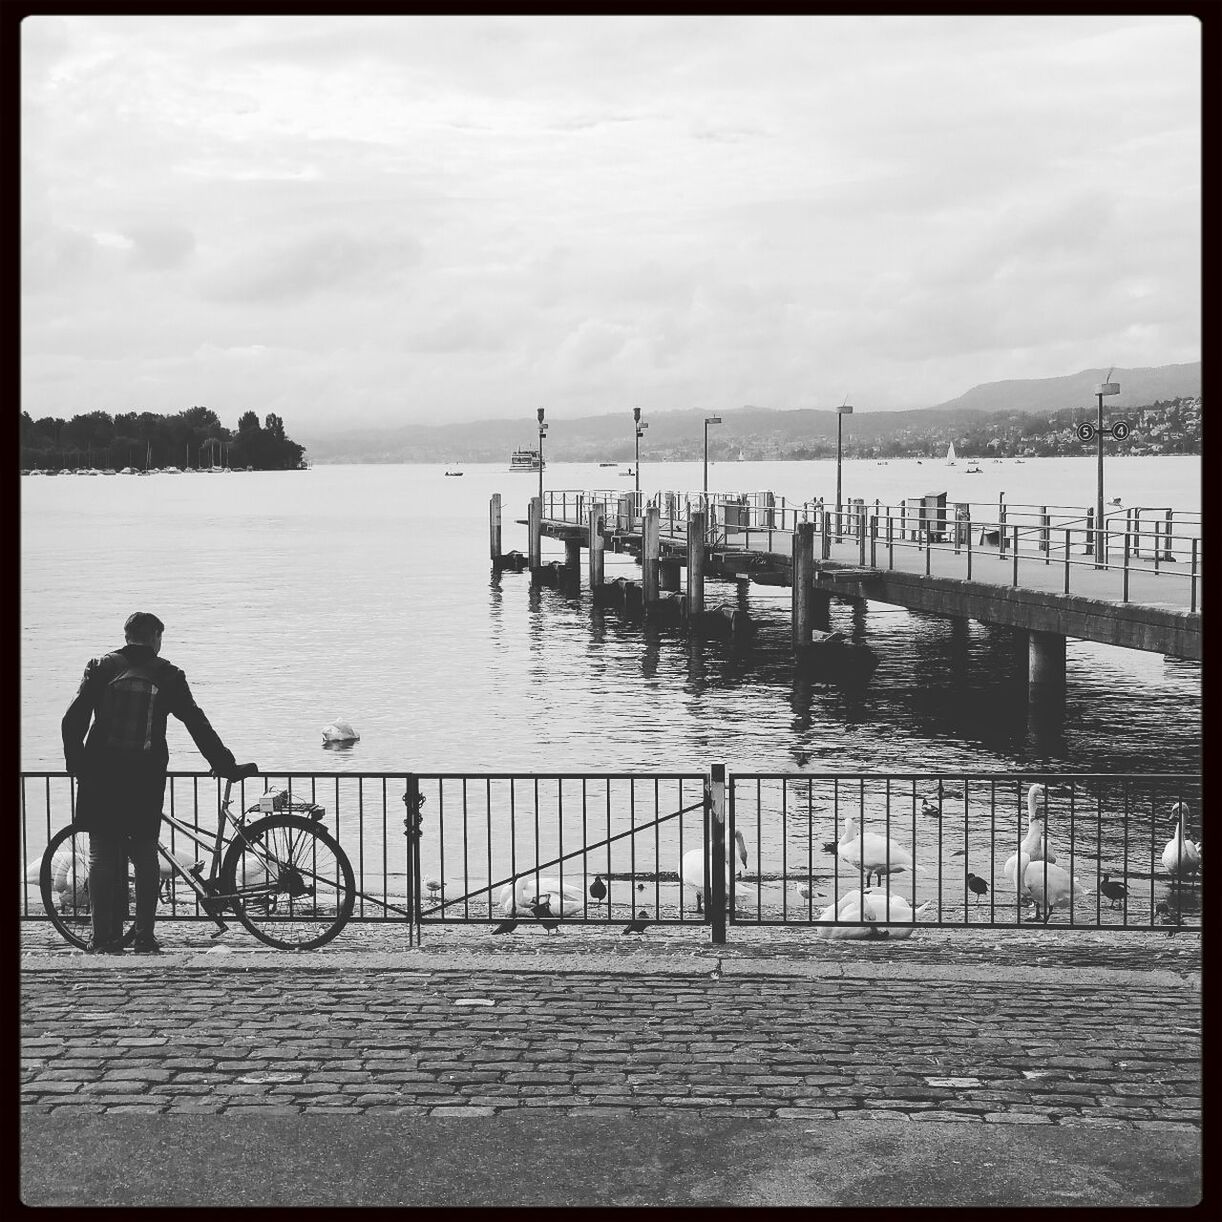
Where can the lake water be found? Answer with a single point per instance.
(365, 592)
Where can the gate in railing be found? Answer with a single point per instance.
(636, 849)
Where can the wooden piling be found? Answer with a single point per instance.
(668, 575)
(534, 533)
(803, 574)
(651, 551)
(572, 560)
(596, 547)
(695, 564)
(494, 527)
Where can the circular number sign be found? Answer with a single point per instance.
(1121, 429)
(1086, 432)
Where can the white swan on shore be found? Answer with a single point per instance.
(877, 908)
(1051, 887)
(1035, 845)
(691, 868)
(1181, 857)
(868, 851)
(531, 892)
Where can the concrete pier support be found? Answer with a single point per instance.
(494, 526)
(596, 547)
(668, 575)
(695, 565)
(1045, 664)
(534, 533)
(651, 550)
(803, 575)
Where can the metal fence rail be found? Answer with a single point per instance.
(628, 848)
(947, 844)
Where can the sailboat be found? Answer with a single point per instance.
(950, 454)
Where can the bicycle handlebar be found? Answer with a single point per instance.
(239, 773)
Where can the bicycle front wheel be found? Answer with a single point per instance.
(63, 880)
(288, 882)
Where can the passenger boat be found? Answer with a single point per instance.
(526, 460)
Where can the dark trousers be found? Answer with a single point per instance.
(108, 858)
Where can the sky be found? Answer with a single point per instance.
(386, 220)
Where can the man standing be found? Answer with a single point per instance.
(121, 773)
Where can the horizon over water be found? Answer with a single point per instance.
(366, 592)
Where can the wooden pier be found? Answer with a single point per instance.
(1046, 571)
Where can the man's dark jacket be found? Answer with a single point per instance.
(121, 766)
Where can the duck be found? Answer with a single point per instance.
(340, 731)
(868, 851)
(1034, 846)
(691, 869)
(1113, 890)
(930, 810)
(977, 886)
(598, 888)
(1181, 857)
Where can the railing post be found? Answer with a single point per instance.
(969, 551)
(1068, 532)
(861, 533)
(1167, 538)
(1001, 525)
(597, 546)
(1125, 596)
(825, 537)
(1016, 554)
(651, 551)
(716, 891)
(412, 822)
(1136, 532)
(1090, 532)
(695, 566)
(534, 513)
(1045, 534)
(891, 539)
(874, 538)
(1192, 606)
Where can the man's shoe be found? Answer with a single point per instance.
(149, 946)
(104, 948)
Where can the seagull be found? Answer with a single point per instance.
(715, 974)
(1113, 891)
(977, 886)
(598, 889)
(433, 886)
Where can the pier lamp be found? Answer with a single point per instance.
(640, 428)
(843, 410)
(542, 434)
(707, 421)
(1104, 388)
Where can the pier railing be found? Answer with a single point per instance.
(1156, 546)
(636, 849)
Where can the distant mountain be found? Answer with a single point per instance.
(759, 432)
(1138, 387)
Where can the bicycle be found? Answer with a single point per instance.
(284, 877)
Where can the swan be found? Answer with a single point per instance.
(876, 908)
(1034, 846)
(340, 731)
(522, 897)
(1181, 857)
(691, 869)
(871, 852)
(1052, 886)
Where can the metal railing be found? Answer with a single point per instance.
(632, 849)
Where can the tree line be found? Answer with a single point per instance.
(192, 438)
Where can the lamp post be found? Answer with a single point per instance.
(707, 421)
(542, 434)
(636, 419)
(843, 410)
(1104, 388)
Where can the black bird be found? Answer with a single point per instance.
(541, 910)
(506, 927)
(977, 886)
(1113, 891)
(803, 759)
(715, 974)
(637, 926)
(1167, 917)
(830, 846)
(598, 888)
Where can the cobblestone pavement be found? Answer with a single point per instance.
(971, 1031)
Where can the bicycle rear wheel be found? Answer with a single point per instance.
(288, 882)
(63, 880)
